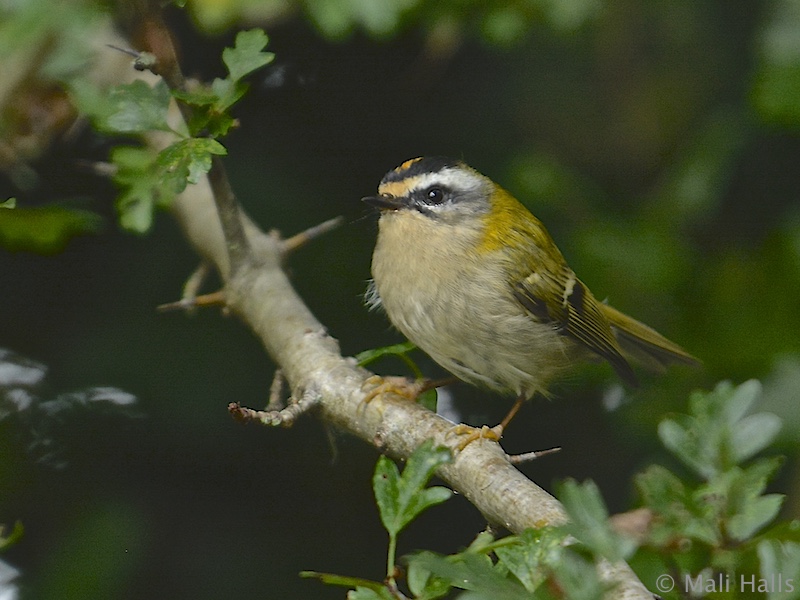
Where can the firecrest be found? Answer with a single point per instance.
(472, 278)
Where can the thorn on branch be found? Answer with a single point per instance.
(189, 304)
(142, 61)
(518, 459)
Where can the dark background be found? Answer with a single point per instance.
(648, 139)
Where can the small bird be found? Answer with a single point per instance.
(472, 278)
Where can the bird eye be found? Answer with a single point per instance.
(434, 195)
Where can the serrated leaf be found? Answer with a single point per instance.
(589, 520)
(186, 161)
(138, 107)
(401, 499)
(246, 56)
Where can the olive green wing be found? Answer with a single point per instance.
(644, 344)
(559, 297)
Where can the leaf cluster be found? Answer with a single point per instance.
(714, 521)
(149, 180)
(710, 522)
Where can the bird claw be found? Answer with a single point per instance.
(472, 434)
(378, 385)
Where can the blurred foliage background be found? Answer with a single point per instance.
(657, 140)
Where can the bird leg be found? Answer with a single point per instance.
(486, 432)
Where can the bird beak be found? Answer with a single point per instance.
(385, 202)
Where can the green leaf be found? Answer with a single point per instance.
(474, 572)
(424, 584)
(137, 107)
(780, 569)
(210, 103)
(186, 161)
(368, 356)
(428, 398)
(536, 550)
(44, 229)
(735, 401)
(755, 515)
(228, 93)
(362, 593)
(343, 580)
(91, 101)
(747, 510)
(578, 579)
(246, 56)
(141, 187)
(136, 207)
(715, 435)
(12, 538)
(679, 514)
(10, 203)
(402, 498)
(752, 434)
(589, 520)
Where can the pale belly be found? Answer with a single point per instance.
(469, 323)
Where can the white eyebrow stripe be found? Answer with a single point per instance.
(456, 179)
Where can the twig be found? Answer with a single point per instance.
(301, 239)
(285, 417)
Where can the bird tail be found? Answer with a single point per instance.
(645, 345)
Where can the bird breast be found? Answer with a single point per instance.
(457, 305)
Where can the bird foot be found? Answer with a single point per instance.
(378, 385)
(472, 434)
